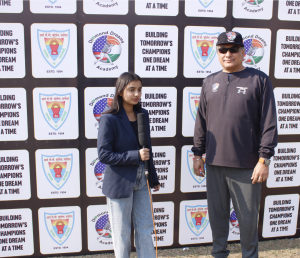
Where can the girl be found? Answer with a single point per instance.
(125, 184)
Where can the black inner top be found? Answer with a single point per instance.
(135, 129)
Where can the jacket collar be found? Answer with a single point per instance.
(126, 123)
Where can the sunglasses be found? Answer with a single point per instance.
(232, 50)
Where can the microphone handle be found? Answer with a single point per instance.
(146, 167)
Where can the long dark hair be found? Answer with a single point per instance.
(123, 80)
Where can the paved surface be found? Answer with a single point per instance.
(283, 248)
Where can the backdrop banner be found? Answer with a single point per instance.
(59, 63)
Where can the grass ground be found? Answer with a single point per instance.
(283, 248)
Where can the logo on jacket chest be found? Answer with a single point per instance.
(215, 87)
(242, 90)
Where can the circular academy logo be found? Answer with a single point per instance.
(233, 219)
(103, 228)
(99, 172)
(102, 106)
(234, 224)
(253, 2)
(107, 49)
(254, 51)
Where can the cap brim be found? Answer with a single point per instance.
(232, 43)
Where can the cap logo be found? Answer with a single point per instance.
(231, 36)
(215, 87)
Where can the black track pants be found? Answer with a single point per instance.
(224, 183)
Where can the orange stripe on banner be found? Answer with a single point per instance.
(53, 165)
(54, 41)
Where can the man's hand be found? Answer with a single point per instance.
(199, 164)
(260, 173)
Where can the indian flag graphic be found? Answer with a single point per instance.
(106, 49)
(254, 51)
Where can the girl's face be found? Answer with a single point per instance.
(132, 93)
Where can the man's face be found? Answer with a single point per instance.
(230, 61)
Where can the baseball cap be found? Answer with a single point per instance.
(230, 37)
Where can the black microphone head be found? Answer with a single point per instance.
(142, 129)
(141, 119)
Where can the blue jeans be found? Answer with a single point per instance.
(120, 211)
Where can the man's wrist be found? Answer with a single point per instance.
(265, 161)
(265, 155)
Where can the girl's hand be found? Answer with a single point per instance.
(144, 154)
(156, 188)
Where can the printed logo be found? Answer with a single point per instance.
(253, 2)
(231, 36)
(197, 218)
(102, 106)
(254, 51)
(55, 108)
(203, 46)
(190, 161)
(215, 87)
(53, 45)
(103, 228)
(253, 5)
(205, 3)
(57, 169)
(107, 49)
(194, 99)
(242, 90)
(99, 172)
(234, 224)
(59, 225)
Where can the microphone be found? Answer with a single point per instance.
(143, 137)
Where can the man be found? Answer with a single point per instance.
(236, 128)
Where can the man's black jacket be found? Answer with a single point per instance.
(236, 120)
